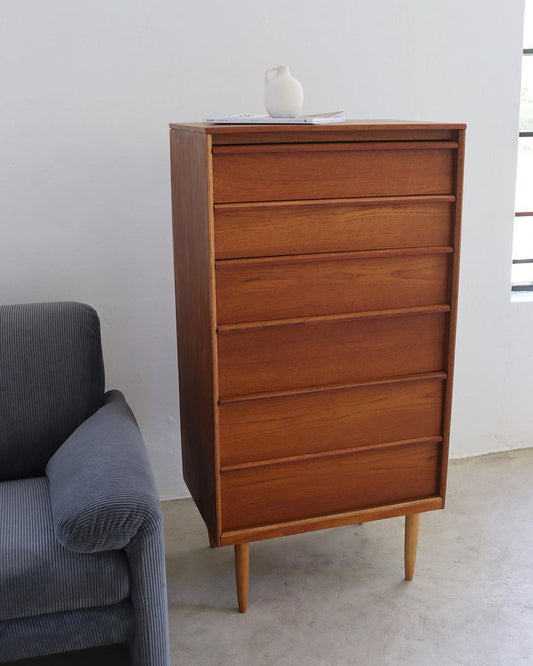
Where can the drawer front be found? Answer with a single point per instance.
(329, 351)
(258, 290)
(331, 226)
(317, 486)
(326, 171)
(292, 425)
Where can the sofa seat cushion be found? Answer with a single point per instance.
(37, 574)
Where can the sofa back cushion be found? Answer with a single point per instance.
(51, 380)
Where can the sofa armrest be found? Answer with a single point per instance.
(102, 490)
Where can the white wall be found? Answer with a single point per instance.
(86, 94)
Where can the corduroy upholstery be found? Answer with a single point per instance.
(89, 515)
(51, 380)
(27, 530)
(81, 546)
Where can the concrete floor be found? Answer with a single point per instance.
(337, 597)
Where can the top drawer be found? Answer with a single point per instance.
(325, 171)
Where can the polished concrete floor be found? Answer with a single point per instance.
(337, 597)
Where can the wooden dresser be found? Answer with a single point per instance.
(316, 288)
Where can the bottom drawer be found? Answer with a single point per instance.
(321, 485)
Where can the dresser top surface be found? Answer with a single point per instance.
(353, 125)
(350, 130)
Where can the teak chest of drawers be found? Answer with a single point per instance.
(316, 285)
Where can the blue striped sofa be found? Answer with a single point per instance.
(81, 544)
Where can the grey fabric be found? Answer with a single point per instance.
(51, 380)
(38, 575)
(99, 495)
(149, 645)
(103, 496)
(61, 632)
(101, 487)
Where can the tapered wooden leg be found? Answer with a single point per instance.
(412, 523)
(242, 574)
(211, 540)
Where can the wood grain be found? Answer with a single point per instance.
(338, 519)
(313, 487)
(453, 287)
(292, 425)
(327, 171)
(272, 229)
(412, 523)
(316, 359)
(330, 133)
(193, 267)
(256, 290)
(329, 351)
(351, 130)
(242, 574)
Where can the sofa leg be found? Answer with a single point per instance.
(242, 574)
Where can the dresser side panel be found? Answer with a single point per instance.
(453, 300)
(192, 242)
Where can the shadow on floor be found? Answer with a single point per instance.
(113, 655)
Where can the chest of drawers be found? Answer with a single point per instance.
(316, 286)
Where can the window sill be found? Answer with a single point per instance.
(521, 296)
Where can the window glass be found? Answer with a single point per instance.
(526, 96)
(523, 238)
(522, 274)
(524, 176)
(522, 270)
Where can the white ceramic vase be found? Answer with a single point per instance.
(284, 95)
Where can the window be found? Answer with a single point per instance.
(522, 272)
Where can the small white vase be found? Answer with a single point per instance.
(284, 95)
